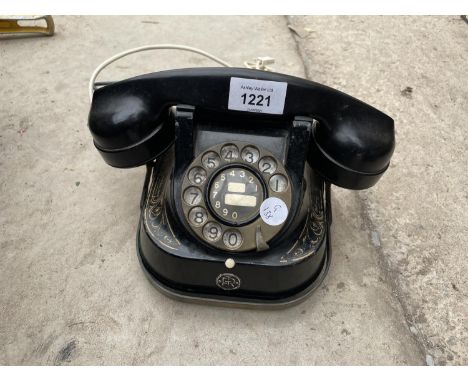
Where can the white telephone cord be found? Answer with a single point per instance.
(259, 63)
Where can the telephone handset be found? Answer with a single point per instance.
(236, 203)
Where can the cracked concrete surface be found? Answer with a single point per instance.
(415, 69)
(71, 290)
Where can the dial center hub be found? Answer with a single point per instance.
(235, 195)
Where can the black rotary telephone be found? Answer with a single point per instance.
(236, 202)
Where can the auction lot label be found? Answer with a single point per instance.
(257, 96)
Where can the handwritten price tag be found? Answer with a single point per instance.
(273, 211)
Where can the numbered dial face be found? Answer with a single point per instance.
(222, 193)
(235, 195)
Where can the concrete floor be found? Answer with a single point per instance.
(71, 290)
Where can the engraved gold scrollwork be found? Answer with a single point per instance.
(309, 240)
(155, 214)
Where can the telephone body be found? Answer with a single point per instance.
(236, 202)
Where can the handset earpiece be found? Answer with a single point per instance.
(125, 120)
(352, 144)
(125, 128)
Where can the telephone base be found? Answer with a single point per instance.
(233, 301)
(284, 275)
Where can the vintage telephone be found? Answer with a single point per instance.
(236, 202)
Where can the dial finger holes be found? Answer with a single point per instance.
(250, 154)
(192, 196)
(212, 231)
(210, 160)
(197, 176)
(267, 165)
(230, 153)
(232, 239)
(278, 183)
(198, 216)
(223, 189)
